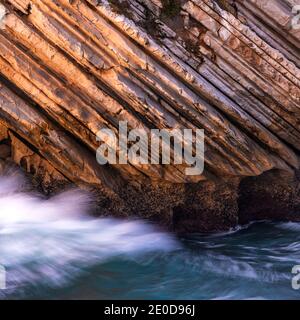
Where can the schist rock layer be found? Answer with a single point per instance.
(231, 68)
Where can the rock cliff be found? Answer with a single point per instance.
(69, 68)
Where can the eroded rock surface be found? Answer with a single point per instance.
(70, 68)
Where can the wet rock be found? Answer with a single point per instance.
(2, 166)
(274, 195)
(208, 207)
(5, 151)
(3, 132)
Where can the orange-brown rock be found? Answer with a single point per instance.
(70, 68)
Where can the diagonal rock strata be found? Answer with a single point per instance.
(70, 68)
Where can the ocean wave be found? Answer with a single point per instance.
(52, 241)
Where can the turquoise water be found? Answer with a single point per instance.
(51, 250)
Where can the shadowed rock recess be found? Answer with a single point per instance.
(69, 68)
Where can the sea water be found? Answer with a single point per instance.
(52, 249)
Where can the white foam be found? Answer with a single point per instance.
(54, 240)
(292, 226)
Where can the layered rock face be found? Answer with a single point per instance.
(71, 68)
